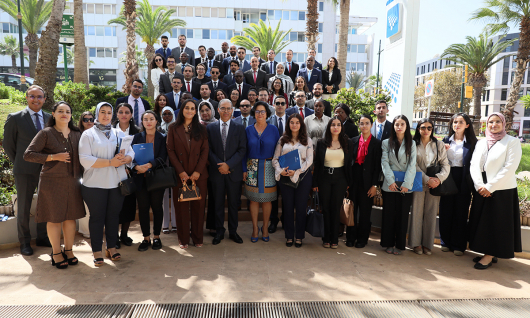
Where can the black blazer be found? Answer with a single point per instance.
(244, 91)
(228, 79)
(19, 131)
(126, 100)
(164, 85)
(386, 130)
(350, 129)
(467, 182)
(261, 78)
(220, 85)
(327, 106)
(372, 164)
(160, 154)
(336, 78)
(195, 88)
(320, 175)
(294, 70)
(234, 152)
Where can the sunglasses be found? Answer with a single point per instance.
(244, 105)
(214, 72)
(280, 103)
(158, 60)
(86, 120)
(428, 128)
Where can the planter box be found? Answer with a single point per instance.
(8, 229)
(525, 238)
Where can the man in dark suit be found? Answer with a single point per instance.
(245, 119)
(166, 79)
(256, 51)
(317, 65)
(216, 83)
(269, 67)
(239, 85)
(231, 57)
(190, 85)
(211, 62)
(205, 96)
(177, 51)
(291, 68)
(300, 106)
(229, 78)
(224, 53)
(228, 146)
(164, 50)
(174, 97)
(138, 104)
(317, 95)
(256, 77)
(381, 127)
(244, 65)
(183, 63)
(19, 130)
(311, 74)
(202, 58)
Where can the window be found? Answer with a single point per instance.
(301, 15)
(213, 34)
(487, 109)
(521, 92)
(319, 48)
(352, 48)
(206, 34)
(361, 48)
(114, 53)
(222, 13)
(360, 67)
(417, 72)
(100, 52)
(91, 30)
(428, 68)
(301, 37)
(254, 18)
(108, 52)
(270, 14)
(285, 15)
(320, 27)
(222, 35)
(182, 11)
(245, 17)
(108, 31)
(277, 15)
(293, 36)
(335, 48)
(99, 9)
(189, 11)
(230, 34)
(197, 33)
(89, 8)
(263, 16)
(107, 9)
(321, 6)
(198, 12)
(189, 33)
(5, 27)
(504, 93)
(100, 31)
(205, 12)
(92, 52)
(214, 13)
(294, 15)
(229, 13)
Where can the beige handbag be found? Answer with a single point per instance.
(347, 216)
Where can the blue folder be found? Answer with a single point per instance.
(143, 153)
(291, 160)
(417, 186)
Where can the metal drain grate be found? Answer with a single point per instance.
(480, 308)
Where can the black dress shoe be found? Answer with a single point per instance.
(217, 239)
(289, 243)
(157, 244)
(44, 242)
(298, 244)
(478, 258)
(144, 246)
(272, 227)
(213, 233)
(482, 266)
(26, 249)
(349, 243)
(126, 240)
(118, 244)
(236, 238)
(360, 245)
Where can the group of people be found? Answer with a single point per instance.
(225, 138)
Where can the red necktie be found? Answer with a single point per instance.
(302, 112)
(289, 67)
(189, 89)
(239, 89)
(254, 77)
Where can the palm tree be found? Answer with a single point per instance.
(262, 36)
(355, 80)
(342, 46)
(49, 53)
(9, 46)
(80, 73)
(70, 58)
(372, 82)
(311, 31)
(151, 25)
(501, 14)
(35, 13)
(131, 66)
(479, 54)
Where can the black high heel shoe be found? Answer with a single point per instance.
(71, 261)
(289, 243)
(298, 243)
(61, 264)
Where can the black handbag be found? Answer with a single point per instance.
(315, 220)
(448, 187)
(162, 177)
(285, 180)
(127, 186)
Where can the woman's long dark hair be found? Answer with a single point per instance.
(336, 67)
(133, 129)
(288, 134)
(87, 113)
(153, 63)
(158, 108)
(343, 138)
(469, 133)
(51, 121)
(198, 131)
(142, 128)
(236, 104)
(222, 91)
(393, 141)
(417, 135)
(273, 91)
(306, 89)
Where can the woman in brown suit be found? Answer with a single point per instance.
(56, 147)
(187, 148)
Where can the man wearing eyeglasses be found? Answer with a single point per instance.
(19, 130)
(228, 147)
(167, 78)
(300, 107)
(138, 104)
(216, 82)
(245, 119)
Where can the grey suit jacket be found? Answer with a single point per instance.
(191, 54)
(391, 163)
(179, 68)
(19, 131)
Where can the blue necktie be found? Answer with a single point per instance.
(380, 132)
(37, 120)
(136, 119)
(280, 127)
(177, 98)
(271, 69)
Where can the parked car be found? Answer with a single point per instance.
(14, 80)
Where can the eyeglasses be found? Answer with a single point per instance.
(170, 62)
(280, 103)
(225, 109)
(244, 105)
(40, 97)
(86, 120)
(260, 112)
(158, 60)
(300, 96)
(428, 128)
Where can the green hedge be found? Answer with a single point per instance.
(360, 102)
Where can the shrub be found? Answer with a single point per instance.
(7, 180)
(4, 91)
(359, 103)
(9, 92)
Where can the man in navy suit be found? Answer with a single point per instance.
(211, 62)
(311, 74)
(231, 57)
(216, 83)
(300, 106)
(255, 73)
(229, 78)
(164, 50)
(244, 65)
(245, 119)
(381, 127)
(313, 53)
(269, 67)
(138, 104)
(228, 146)
(239, 85)
(291, 68)
(173, 98)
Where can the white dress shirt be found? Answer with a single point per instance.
(141, 108)
(186, 85)
(41, 117)
(455, 153)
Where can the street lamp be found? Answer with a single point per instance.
(21, 44)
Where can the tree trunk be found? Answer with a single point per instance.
(312, 24)
(32, 41)
(49, 53)
(342, 50)
(149, 55)
(80, 58)
(522, 62)
(14, 63)
(131, 67)
(477, 96)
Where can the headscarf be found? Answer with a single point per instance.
(105, 129)
(492, 138)
(363, 149)
(212, 118)
(287, 82)
(165, 126)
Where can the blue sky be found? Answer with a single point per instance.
(442, 23)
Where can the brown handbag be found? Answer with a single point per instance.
(378, 198)
(347, 216)
(189, 193)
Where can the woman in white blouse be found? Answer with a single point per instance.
(494, 219)
(104, 169)
(294, 184)
(158, 67)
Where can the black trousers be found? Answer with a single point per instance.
(128, 209)
(210, 214)
(295, 199)
(331, 192)
(104, 206)
(396, 208)
(154, 200)
(26, 185)
(274, 219)
(360, 232)
(233, 195)
(454, 210)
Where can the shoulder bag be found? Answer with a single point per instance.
(448, 187)
(347, 214)
(314, 224)
(127, 186)
(162, 177)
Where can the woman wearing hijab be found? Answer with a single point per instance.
(287, 82)
(494, 224)
(206, 113)
(104, 169)
(168, 117)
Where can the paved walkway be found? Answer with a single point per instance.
(256, 272)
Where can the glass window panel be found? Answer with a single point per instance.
(114, 31)
(320, 27)
(222, 13)
(221, 34)
(319, 47)
(108, 52)
(182, 11)
(361, 48)
(230, 34)
(283, 58)
(229, 13)
(335, 48)
(254, 18)
(113, 9)
(353, 67)
(174, 32)
(92, 52)
(100, 52)
(354, 48)
(214, 13)
(198, 12)
(189, 33)
(100, 31)
(301, 15)
(84, 7)
(348, 67)
(114, 53)
(360, 67)
(293, 36)
(301, 37)
(277, 14)
(205, 12)
(238, 16)
(263, 16)
(285, 15)
(107, 9)
(294, 15)
(321, 6)
(189, 11)
(270, 13)
(348, 49)
(353, 31)
(213, 34)
(86, 30)
(91, 30)
(5, 27)
(206, 34)
(99, 9)
(108, 31)
(300, 57)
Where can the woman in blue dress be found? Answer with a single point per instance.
(258, 172)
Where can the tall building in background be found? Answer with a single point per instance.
(211, 23)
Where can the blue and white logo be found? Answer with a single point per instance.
(392, 85)
(392, 21)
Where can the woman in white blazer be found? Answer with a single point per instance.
(158, 67)
(494, 224)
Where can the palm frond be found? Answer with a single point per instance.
(264, 37)
(35, 13)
